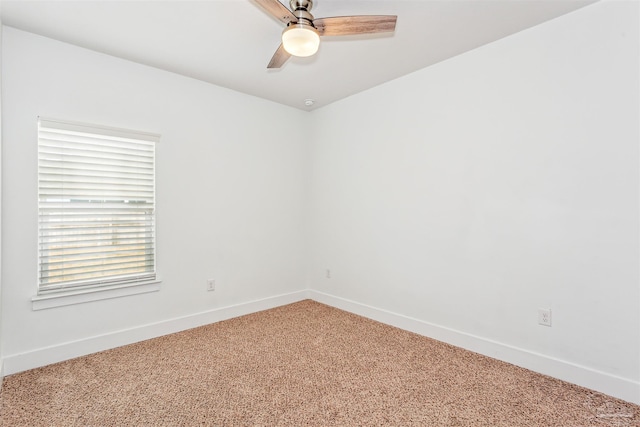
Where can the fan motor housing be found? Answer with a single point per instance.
(300, 9)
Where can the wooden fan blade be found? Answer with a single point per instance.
(348, 25)
(279, 58)
(277, 10)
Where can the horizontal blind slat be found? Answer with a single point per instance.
(93, 282)
(96, 276)
(50, 238)
(60, 257)
(55, 141)
(107, 265)
(88, 248)
(118, 174)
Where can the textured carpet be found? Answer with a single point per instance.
(304, 364)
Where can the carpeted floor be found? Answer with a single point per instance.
(304, 364)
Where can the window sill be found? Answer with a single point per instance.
(43, 302)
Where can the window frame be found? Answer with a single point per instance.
(77, 290)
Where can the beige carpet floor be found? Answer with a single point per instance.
(304, 364)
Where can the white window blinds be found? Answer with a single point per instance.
(96, 206)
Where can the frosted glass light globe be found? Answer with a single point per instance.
(300, 40)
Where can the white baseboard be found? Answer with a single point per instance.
(621, 388)
(45, 356)
(612, 385)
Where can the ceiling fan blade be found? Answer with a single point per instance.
(279, 58)
(277, 10)
(348, 25)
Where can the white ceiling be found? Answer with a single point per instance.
(230, 42)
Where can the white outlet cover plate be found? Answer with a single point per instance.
(544, 316)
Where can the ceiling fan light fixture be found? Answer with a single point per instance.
(300, 40)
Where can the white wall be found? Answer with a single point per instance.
(469, 194)
(230, 191)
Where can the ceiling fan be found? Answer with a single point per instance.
(301, 37)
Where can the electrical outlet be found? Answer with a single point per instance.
(544, 316)
(211, 285)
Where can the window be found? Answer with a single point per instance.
(96, 207)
